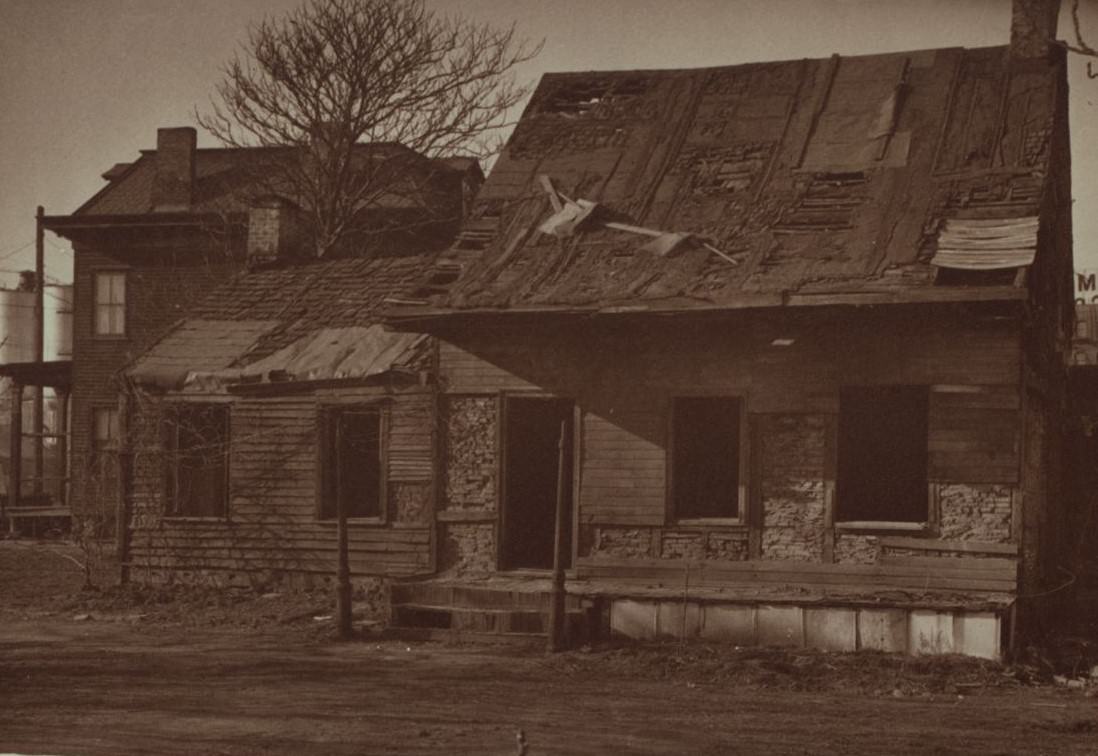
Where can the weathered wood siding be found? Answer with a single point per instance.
(272, 523)
(624, 374)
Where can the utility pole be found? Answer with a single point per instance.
(39, 343)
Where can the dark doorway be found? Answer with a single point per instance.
(533, 429)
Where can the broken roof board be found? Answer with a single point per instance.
(809, 177)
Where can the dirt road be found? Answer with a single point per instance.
(97, 687)
(188, 671)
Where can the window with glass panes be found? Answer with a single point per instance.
(110, 303)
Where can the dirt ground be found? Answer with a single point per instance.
(215, 672)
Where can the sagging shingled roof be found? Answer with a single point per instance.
(305, 322)
(756, 185)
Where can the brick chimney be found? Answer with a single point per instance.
(273, 232)
(174, 180)
(1033, 28)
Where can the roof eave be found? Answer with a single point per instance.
(420, 315)
(61, 223)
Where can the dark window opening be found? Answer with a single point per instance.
(533, 432)
(351, 464)
(705, 463)
(197, 447)
(964, 277)
(882, 465)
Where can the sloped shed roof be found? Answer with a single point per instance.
(756, 185)
(313, 322)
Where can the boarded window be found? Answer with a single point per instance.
(882, 465)
(705, 461)
(197, 459)
(351, 463)
(110, 304)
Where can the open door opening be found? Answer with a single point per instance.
(532, 433)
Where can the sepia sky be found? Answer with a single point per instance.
(84, 84)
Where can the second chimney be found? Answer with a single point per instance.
(1033, 28)
(173, 183)
(273, 233)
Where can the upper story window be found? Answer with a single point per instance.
(109, 304)
(705, 457)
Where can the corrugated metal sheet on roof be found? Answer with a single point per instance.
(987, 244)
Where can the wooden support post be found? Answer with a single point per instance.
(125, 488)
(39, 344)
(343, 559)
(15, 454)
(555, 641)
(65, 468)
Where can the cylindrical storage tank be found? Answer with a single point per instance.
(58, 332)
(16, 326)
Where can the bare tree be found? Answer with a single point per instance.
(338, 73)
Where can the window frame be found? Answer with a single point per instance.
(329, 413)
(103, 457)
(170, 448)
(927, 524)
(124, 304)
(742, 503)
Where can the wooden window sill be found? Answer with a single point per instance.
(195, 518)
(871, 526)
(353, 521)
(717, 522)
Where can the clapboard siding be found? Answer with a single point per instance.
(623, 469)
(974, 434)
(272, 520)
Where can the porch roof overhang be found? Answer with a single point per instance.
(407, 315)
(51, 373)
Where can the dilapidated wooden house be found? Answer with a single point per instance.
(804, 325)
(799, 327)
(280, 393)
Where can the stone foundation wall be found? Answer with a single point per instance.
(975, 512)
(467, 548)
(857, 549)
(793, 486)
(370, 595)
(469, 452)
